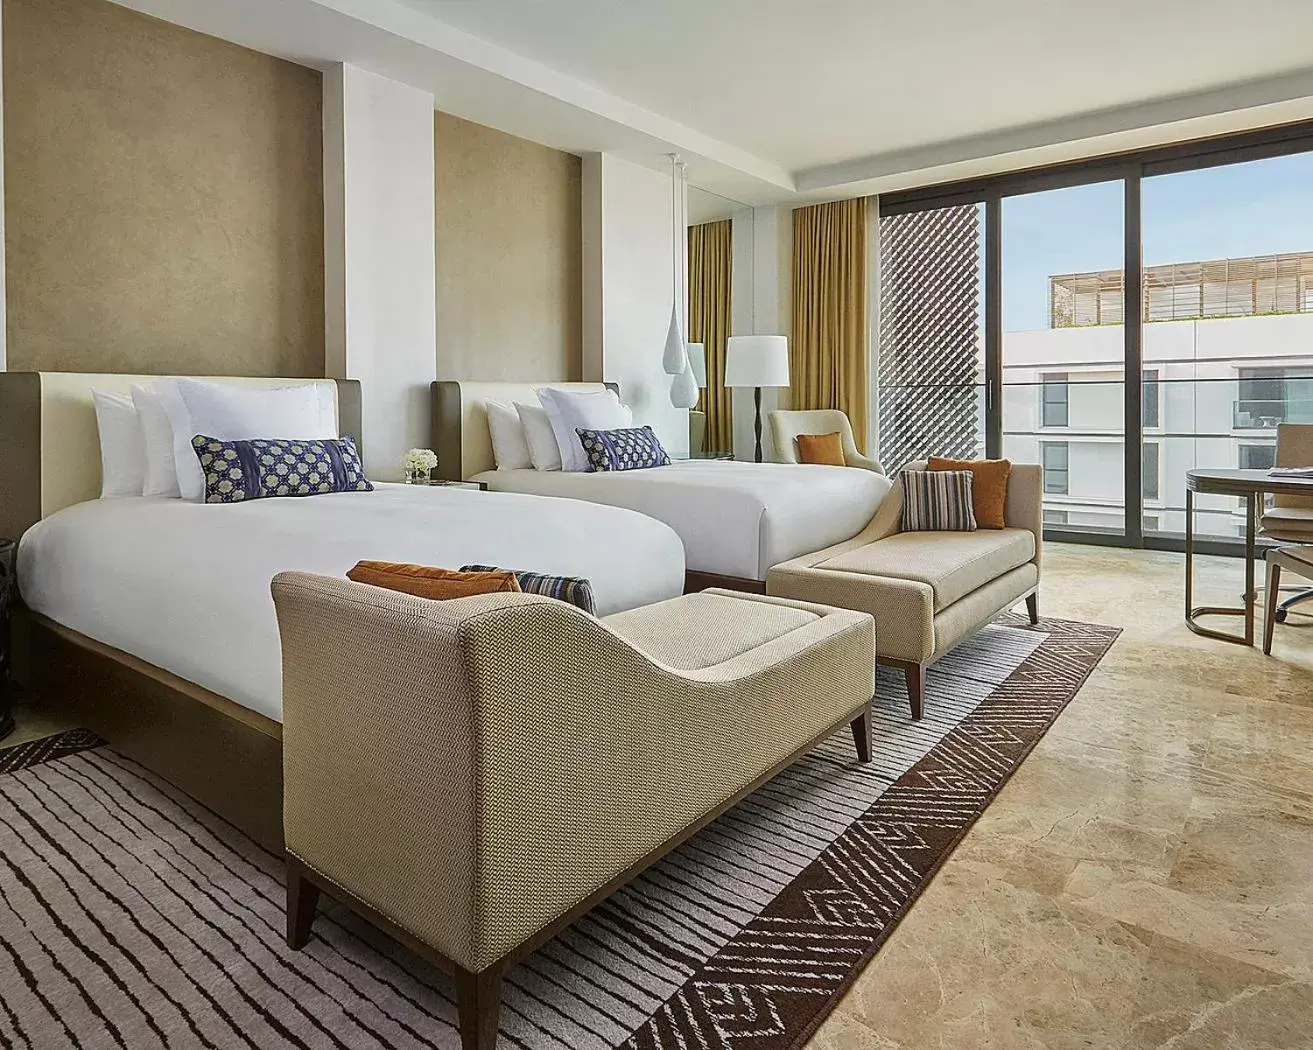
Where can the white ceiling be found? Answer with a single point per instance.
(805, 83)
(772, 100)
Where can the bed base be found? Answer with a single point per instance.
(225, 756)
(701, 581)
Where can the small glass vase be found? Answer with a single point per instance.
(417, 476)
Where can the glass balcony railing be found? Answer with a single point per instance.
(1265, 415)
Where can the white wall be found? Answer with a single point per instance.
(380, 287)
(628, 273)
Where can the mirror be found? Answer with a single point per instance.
(719, 229)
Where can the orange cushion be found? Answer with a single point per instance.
(989, 486)
(821, 448)
(424, 581)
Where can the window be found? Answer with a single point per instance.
(1151, 523)
(1149, 399)
(1054, 457)
(1258, 457)
(1053, 400)
(1262, 397)
(1055, 517)
(1149, 470)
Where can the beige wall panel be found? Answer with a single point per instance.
(508, 255)
(164, 198)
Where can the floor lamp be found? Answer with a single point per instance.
(757, 361)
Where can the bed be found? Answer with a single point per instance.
(736, 519)
(150, 619)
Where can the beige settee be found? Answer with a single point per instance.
(926, 590)
(473, 774)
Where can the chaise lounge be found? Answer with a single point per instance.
(926, 590)
(473, 774)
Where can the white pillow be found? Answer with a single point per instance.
(544, 453)
(236, 413)
(509, 447)
(122, 452)
(587, 409)
(157, 440)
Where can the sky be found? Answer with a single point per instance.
(1260, 208)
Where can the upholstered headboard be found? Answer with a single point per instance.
(50, 446)
(460, 421)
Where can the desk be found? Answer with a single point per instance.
(1251, 486)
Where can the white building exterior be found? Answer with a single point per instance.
(1214, 391)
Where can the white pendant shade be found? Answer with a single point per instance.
(673, 358)
(684, 389)
(697, 360)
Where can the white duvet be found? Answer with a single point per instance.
(185, 586)
(736, 519)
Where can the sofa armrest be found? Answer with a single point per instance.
(1025, 499)
(475, 768)
(904, 610)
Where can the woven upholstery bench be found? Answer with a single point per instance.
(472, 775)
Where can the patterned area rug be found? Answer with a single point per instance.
(131, 917)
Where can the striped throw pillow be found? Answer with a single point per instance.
(574, 590)
(937, 501)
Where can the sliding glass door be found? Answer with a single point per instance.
(1014, 307)
(1228, 336)
(1063, 350)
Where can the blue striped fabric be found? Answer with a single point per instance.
(574, 590)
(937, 501)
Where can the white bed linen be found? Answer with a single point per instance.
(736, 519)
(185, 586)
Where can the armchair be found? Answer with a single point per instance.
(787, 424)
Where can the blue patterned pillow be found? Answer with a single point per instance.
(572, 589)
(236, 471)
(633, 448)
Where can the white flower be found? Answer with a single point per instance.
(420, 459)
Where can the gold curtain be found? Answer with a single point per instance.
(828, 349)
(710, 247)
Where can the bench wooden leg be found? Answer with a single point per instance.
(915, 674)
(302, 900)
(478, 1005)
(1273, 596)
(861, 727)
(1032, 607)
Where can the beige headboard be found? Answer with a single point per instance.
(460, 420)
(50, 446)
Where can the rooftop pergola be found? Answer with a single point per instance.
(1259, 284)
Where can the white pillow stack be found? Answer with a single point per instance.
(543, 436)
(569, 410)
(145, 440)
(122, 452)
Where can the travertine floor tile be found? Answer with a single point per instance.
(1146, 878)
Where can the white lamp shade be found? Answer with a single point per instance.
(684, 390)
(757, 360)
(673, 358)
(697, 360)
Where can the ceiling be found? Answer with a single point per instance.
(804, 84)
(806, 99)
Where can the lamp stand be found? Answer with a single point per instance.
(756, 427)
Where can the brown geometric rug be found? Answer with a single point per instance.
(131, 917)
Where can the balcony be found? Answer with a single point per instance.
(1250, 414)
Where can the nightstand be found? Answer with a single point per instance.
(481, 486)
